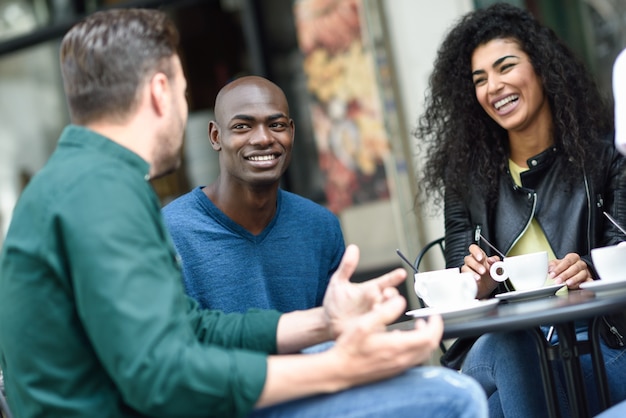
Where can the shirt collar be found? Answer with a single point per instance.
(82, 137)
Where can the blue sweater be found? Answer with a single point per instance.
(286, 267)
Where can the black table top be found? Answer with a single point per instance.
(525, 314)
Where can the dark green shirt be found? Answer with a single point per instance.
(94, 321)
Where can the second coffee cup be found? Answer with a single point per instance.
(526, 271)
(610, 261)
(446, 288)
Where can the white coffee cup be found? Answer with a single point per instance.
(610, 262)
(442, 288)
(525, 271)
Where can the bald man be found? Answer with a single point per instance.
(245, 242)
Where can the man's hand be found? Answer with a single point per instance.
(356, 314)
(368, 353)
(345, 301)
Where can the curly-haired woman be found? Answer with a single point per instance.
(518, 147)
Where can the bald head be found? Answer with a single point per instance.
(246, 91)
(252, 132)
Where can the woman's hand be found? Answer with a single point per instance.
(478, 263)
(570, 270)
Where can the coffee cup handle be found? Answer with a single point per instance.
(421, 291)
(498, 272)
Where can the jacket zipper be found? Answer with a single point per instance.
(530, 219)
(477, 231)
(589, 211)
(614, 331)
(478, 228)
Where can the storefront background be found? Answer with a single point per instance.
(354, 71)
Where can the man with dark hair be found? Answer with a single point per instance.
(94, 321)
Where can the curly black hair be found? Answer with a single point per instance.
(460, 142)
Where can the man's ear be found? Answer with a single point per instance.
(214, 136)
(159, 93)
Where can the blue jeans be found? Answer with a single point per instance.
(420, 392)
(507, 367)
(617, 411)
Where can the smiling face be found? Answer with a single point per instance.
(507, 87)
(252, 132)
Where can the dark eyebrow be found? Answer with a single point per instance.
(252, 118)
(244, 117)
(495, 64)
(276, 116)
(499, 60)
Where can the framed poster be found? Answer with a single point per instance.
(346, 108)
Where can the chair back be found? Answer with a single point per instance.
(437, 245)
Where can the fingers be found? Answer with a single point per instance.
(390, 292)
(425, 332)
(423, 338)
(379, 353)
(389, 310)
(473, 266)
(476, 252)
(477, 261)
(434, 326)
(348, 264)
(557, 267)
(570, 270)
(391, 279)
(575, 281)
(382, 314)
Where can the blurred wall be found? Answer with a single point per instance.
(32, 108)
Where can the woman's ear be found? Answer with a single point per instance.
(214, 136)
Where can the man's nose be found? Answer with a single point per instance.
(262, 135)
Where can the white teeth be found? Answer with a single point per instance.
(261, 157)
(505, 101)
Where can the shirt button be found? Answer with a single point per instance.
(533, 163)
(146, 177)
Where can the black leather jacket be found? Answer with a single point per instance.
(571, 217)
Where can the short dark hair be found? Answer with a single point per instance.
(107, 57)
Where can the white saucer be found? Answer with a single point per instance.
(530, 294)
(449, 313)
(605, 286)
